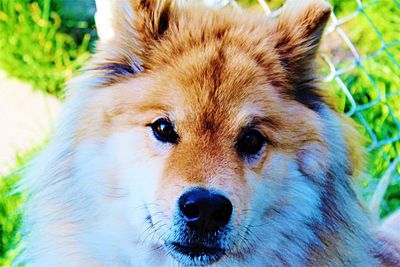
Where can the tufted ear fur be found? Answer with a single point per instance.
(145, 20)
(298, 33)
(137, 25)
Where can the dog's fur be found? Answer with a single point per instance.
(104, 191)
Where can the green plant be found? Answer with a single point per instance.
(374, 85)
(10, 204)
(34, 47)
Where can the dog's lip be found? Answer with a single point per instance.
(197, 251)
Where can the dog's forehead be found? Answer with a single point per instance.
(221, 68)
(216, 85)
(215, 75)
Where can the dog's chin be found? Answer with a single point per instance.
(194, 254)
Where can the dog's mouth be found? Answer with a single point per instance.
(195, 254)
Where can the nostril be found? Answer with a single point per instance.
(222, 215)
(191, 211)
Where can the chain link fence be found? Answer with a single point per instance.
(360, 56)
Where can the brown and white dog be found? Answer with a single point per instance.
(201, 137)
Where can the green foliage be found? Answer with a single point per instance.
(272, 4)
(9, 219)
(10, 216)
(392, 200)
(34, 47)
(374, 84)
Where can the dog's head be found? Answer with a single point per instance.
(206, 132)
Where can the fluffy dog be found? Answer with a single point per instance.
(201, 137)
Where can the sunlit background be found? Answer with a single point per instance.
(43, 43)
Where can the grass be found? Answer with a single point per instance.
(10, 202)
(34, 46)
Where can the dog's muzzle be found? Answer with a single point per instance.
(202, 226)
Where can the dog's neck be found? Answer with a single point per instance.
(341, 231)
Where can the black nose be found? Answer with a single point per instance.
(205, 211)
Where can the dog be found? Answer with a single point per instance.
(202, 137)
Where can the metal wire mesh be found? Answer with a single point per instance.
(361, 64)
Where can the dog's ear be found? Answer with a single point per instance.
(136, 26)
(143, 21)
(298, 32)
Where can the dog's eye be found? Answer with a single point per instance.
(250, 142)
(164, 131)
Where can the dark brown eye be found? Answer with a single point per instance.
(164, 131)
(250, 142)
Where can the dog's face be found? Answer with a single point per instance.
(205, 135)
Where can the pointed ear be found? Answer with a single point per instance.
(147, 20)
(298, 33)
(137, 25)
